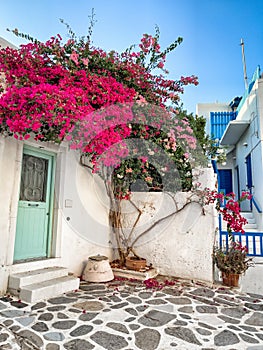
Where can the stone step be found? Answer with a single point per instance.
(247, 214)
(49, 288)
(138, 275)
(250, 226)
(19, 280)
(247, 228)
(251, 220)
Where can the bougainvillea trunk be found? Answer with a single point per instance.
(115, 225)
(115, 218)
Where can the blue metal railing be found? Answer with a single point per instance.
(254, 202)
(256, 76)
(252, 240)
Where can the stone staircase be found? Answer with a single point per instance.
(32, 286)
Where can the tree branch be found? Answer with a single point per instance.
(162, 219)
(136, 221)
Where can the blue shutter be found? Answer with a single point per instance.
(225, 181)
(219, 122)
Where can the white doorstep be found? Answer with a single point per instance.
(131, 274)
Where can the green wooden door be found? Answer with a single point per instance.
(35, 206)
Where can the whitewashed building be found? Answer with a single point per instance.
(238, 126)
(239, 129)
(54, 215)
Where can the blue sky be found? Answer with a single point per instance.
(211, 30)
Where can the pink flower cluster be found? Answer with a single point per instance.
(189, 80)
(231, 211)
(239, 247)
(148, 42)
(41, 93)
(153, 283)
(54, 91)
(41, 108)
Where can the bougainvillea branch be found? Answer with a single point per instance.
(229, 208)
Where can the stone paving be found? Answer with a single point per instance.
(126, 315)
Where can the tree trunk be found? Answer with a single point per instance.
(115, 222)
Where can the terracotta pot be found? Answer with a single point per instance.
(231, 279)
(134, 263)
(98, 269)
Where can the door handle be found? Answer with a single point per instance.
(33, 205)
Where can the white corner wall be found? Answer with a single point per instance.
(251, 281)
(251, 143)
(10, 165)
(182, 244)
(84, 216)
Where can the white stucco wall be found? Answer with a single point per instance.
(251, 281)
(10, 164)
(77, 232)
(182, 244)
(84, 216)
(179, 246)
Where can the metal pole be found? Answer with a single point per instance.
(244, 63)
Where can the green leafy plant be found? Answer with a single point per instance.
(233, 259)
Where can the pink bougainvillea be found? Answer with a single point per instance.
(230, 210)
(96, 100)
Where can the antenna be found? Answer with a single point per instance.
(244, 63)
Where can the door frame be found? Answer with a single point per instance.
(221, 177)
(249, 176)
(34, 151)
(237, 182)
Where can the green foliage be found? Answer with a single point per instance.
(23, 36)
(232, 260)
(164, 169)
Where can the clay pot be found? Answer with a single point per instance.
(231, 279)
(98, 269)
(134, 263)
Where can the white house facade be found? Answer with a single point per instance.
(68, 221)
(42, 221)
(238, 127)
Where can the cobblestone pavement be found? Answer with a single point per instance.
(127, 315)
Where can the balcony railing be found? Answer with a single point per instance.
(252, 240)
(256, 76)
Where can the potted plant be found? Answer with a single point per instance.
(232, 262)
